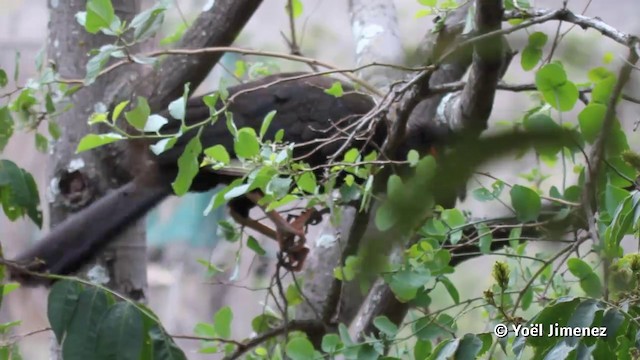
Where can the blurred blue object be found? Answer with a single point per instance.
(184, 222)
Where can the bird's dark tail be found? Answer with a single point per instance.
(75, 241)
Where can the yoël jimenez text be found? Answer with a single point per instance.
(555, 330)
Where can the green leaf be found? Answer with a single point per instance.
(147, 23)
(98, 61)
(163, 346)
(42, 144)
(589, 281)
(279, 187)
(451, 289)
(6, 127)
(469, 347)
(264, 322)
(48, 104)
(211, 100)
(296, 8)
(24, 103)
(517, 5)
(246, 144)
(482, 194)
(602, 90)
(599, 73)
(422, 13)
(405, 283)
(307, 182)
(218, 153)
(557, 90)
(117, 110)
(121, 333)
(608, 57)
(351, 155)
(541, 122)
(538, 39)
(527, 298)
(293, 295)
(266, 122)
(413, 157)
(454, 219)
(254, 245)
(335, 89)
(154, 123)
(428, 328)
(163, 145)
(16, 71)
(429, 3)
(396, 190)
(385, 325)
(178, 107)
(591, 119)
(343, 331)
(422, 349)
(222, 321)
(533, 51)
(330, 343)
(386, 217)
(526, 202)
(240, 68)
(299, 348)
(139, 115)
(19, 193)
(100, 15)
(350, 269)
(91, 141)
(3, 78)
(486, 238)
(175, 36)
(82, 333)
(188, 166)
(61, 304)
(205, 330)
(279, 136)
(97, 118)
(613, 197)
(530, 58)
(579, 268)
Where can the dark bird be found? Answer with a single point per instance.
(305, 112)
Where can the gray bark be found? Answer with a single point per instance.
(78, 179)
(377, 36)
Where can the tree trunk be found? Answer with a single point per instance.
(76, 180)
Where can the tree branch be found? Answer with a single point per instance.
(585, 22)
(218, 26)
(377, 36)
(473, 113)
(476, 100)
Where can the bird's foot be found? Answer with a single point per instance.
(292, 241)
